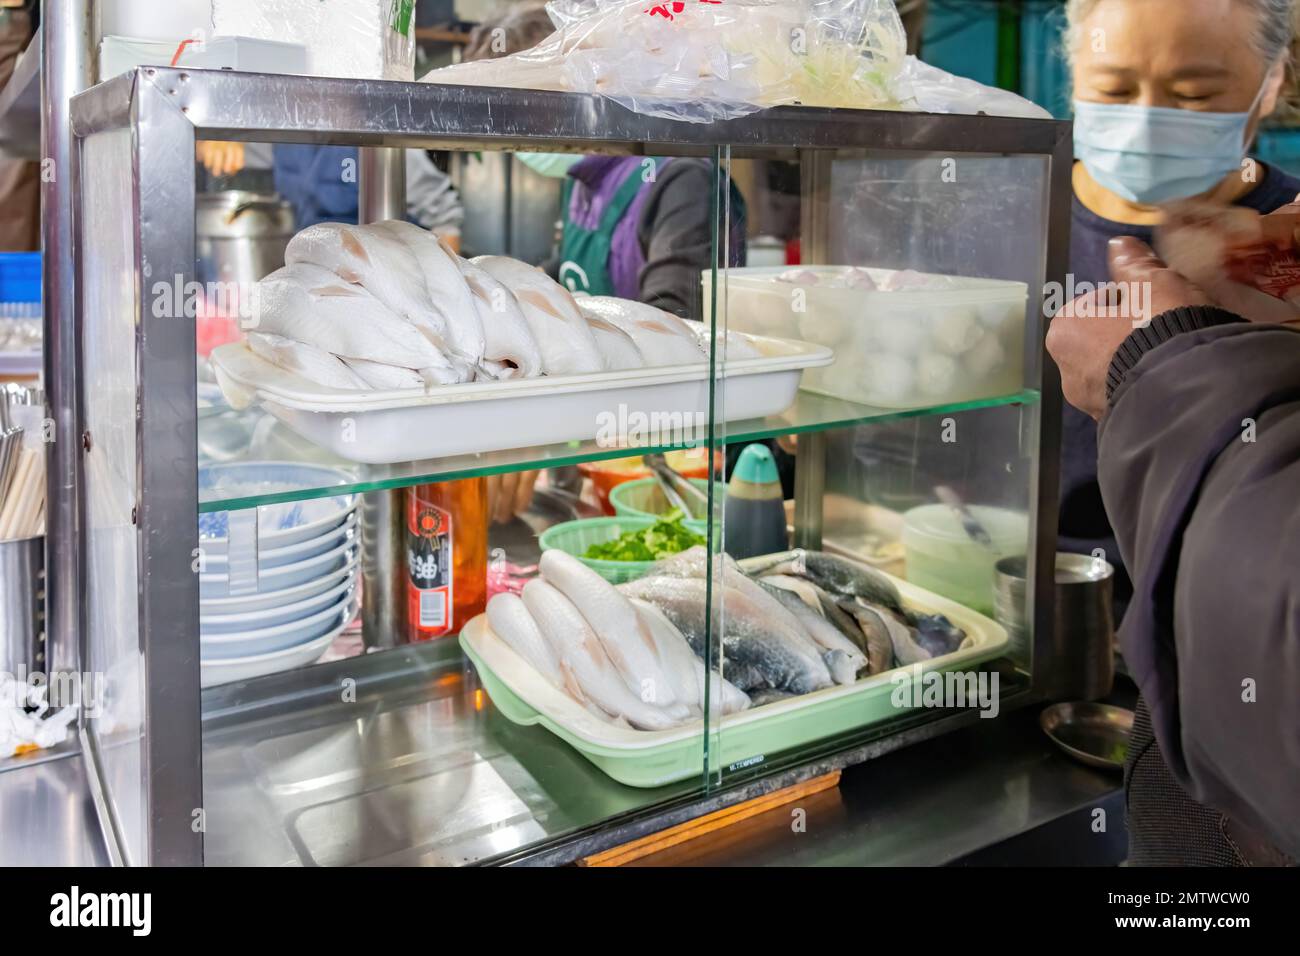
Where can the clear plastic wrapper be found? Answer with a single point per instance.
(707, 60)
(364, 39)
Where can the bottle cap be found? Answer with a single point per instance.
(756, 466)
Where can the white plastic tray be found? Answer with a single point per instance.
(385, 427)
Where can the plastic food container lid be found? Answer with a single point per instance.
(931, 526)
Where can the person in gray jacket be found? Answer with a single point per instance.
(1199, 465)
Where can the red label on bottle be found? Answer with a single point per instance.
(429, 571)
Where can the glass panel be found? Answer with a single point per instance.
(907, 464)
(108, 333)
(450, 745)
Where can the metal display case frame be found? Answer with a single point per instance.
(167, 110)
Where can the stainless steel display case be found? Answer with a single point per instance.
(167, 752)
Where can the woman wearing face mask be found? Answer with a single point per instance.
(1168, 96)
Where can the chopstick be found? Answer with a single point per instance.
(22, 470)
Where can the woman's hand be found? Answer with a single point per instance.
(220, 158)
(1085, 334)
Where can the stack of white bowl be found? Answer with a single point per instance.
(304, 591)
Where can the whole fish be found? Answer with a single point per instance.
(623, 633)
(843, 658)
(566, 342)
(754, 636)
(512, 623)
(587, 670)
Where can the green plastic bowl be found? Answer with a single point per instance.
(644, 499)
(575, 537)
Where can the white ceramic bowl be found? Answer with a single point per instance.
(280, 524)
(242, 622)
(231, 669)
(273, 600)
(301, 551)
(217, 585)
(268, 640)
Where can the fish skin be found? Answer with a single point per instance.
(876, 633)
(768, 695)
(312, 305)
(507, 338)
(583, 660)
(448, 292)
(662, 338)
(621, 631)
(300, 358)
(512, 622)
(837, 576)
(754, 637)
(563, 336)
(843, 658)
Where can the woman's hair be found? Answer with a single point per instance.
(1278, 23)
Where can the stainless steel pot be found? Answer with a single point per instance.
(240, 236)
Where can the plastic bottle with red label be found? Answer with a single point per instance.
(446, 556)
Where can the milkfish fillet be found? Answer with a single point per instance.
(587, 670)
(835, 575)
(312, 363)
(386, 377)
(753, 638)
(621, 631)
(447, 290)
(567, 344)
(724, 696)
(512, 623)
(843, 658)
(313, 305)
(616, 346)
(510, 349)
(737, 346)
(370, 257)
(662, 338)
(675, 654)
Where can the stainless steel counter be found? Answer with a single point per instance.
(46, 814)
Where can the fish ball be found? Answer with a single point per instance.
(889, 378)
(902, 332)
(985, 358)
(957, 331)
(935, 374)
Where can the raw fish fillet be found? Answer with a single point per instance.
(675, 655)
(370, 257)
(621, 631)
(448, 291)
(312, 305)
(616, 346)
(662, 338)
(587, 670)
(753, 638)
(385, 377)
(723, 694)
(314, 364)
(507, 340)
(514, 625)
(738, 346)
(567, 344)
(843, 658)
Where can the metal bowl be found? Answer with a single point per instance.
(1095, 734)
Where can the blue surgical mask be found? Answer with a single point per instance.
(1151, 154)
(555, 165)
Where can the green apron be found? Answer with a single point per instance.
(584, 253)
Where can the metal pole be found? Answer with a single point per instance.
(382, 196)
(67, 57)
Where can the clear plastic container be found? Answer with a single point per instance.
(930, 340)
(941, 557)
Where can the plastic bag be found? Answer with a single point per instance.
(705, 60)
(920, 86)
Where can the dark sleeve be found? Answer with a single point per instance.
(676, 234)
(1199, 462)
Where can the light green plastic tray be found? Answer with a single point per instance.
(642, 758)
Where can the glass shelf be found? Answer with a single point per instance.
(233, 437)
